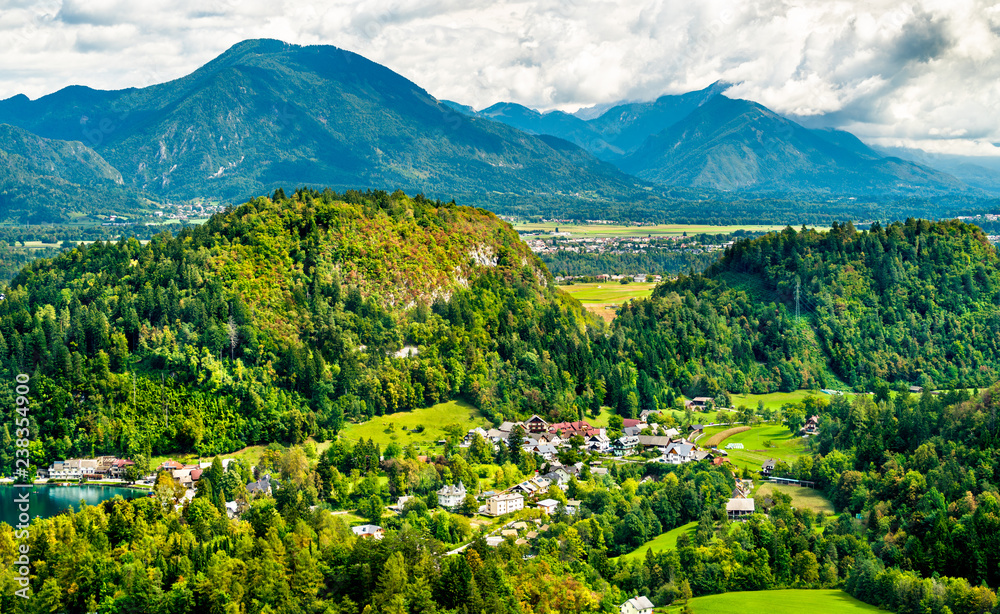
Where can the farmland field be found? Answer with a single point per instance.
(659, 230)
(719, 437)
(802, 498)
(602, 298)
(665, 541)
(398, 427)
(779, 602)
(787, 447)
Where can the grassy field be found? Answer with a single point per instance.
(786, 446)
(774, 400)
(802, 498)
(778, 602)
(602, 299)
(660, 230)
(398, 427)
(721, 436)
(665, 541)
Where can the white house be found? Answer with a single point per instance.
(548, 506)
(451, 496)
(637, 605)
(504, 504)
(369, 531)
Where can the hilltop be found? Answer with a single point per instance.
(912, 302)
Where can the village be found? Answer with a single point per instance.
(547, 243)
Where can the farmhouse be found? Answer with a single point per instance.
(369, 531)
(637, 605)
(739, 509)
(699, 402)
(767, 467)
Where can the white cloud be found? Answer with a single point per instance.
(923, 71)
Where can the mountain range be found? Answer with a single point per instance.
(267, 114)
(704, 140)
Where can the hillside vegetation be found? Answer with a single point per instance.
(915, 302)
(284, 317)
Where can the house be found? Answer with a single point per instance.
(261, 486)
(650, 441)
(507, 427)
(527, 487)
(767, 467)
(504, 504)
(811, 426)
(187, 475)
(569, 429)
(646, 413)
(104, 464)
(637, 605)
(535, 424)
(548, 506)
(632, 431)
(672, 433)
(545, 450)
(916, 389)
(679, 453)
(368, 531)
(696, 430)
(699, 403)
(627, 422)
(170, 465)
(451, 496)
(471, 435)
(118, 468)
(624, 445)
(599, 443)
(232, 509)
(739, 508)
(493, 541)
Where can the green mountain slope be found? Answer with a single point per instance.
(917, 302)
(266, 114)
(282, 318)
(45, 180)
(739, 145)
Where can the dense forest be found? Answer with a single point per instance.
(281, 319)
(916, 302)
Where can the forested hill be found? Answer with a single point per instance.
(914, 302)
(283, 317)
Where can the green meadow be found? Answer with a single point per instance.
(665, 541)
(783, 445)
(791, 601)
(400, 427)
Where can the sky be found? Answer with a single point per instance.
(920, 74)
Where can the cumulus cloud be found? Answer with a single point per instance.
(922, 72)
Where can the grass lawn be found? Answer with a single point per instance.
(433, 419)
(787, 447)
(659, 230)
(802, 498)
(665, 541)
(779, 602)
(602, 418)
(721, 436)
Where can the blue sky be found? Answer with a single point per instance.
(922, 74)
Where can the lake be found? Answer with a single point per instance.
(46, 501)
